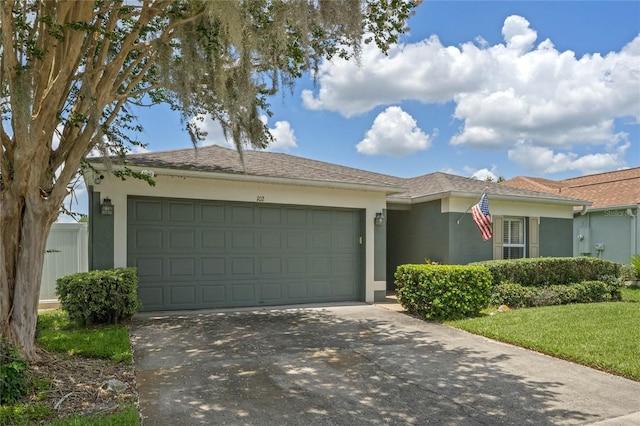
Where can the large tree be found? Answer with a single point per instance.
(71, 73)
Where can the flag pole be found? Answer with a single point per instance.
(486, 188)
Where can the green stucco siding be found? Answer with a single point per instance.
(100, 235)
(556, 237)
(380, 250)
(466, 244)
(415, 235)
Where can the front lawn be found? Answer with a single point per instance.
(68, 381)
(605, 335)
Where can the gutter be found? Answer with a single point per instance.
(240, 177)
(502, 197)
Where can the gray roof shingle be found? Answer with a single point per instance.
(218, 159)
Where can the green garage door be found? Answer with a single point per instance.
(194, 254)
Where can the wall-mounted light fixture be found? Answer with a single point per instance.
(106, 208)
(379, 219)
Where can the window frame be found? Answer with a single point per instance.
(507, 234)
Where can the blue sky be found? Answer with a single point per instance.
(476, 88)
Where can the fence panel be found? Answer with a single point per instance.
(69, 246)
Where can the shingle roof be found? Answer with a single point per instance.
(441, 183)
(610, 189)
(217, 159)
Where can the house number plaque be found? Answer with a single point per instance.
(260, 198)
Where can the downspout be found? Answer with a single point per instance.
(634, 228)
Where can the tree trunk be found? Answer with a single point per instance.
(24, 228)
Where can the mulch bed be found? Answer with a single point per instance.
(79, 386)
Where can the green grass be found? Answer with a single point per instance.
(127, 417)
(600, 335)
(630, 294)
(57, 334)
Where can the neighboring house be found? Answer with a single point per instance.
(610, 227)
(269, 229)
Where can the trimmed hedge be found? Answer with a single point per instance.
(546, 271)
(99, 297)
(443, 292)
(519, 296)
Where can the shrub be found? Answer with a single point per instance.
(441, 292)
(519, 296)
(14, 378)
(635, 262)
(628, 273)
(546, 271)
(99, 297)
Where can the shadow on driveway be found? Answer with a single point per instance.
(357, 364)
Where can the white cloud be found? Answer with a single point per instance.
(283, 134)
(521, 89)
(544, 160)
(483, 174)
(284, 137)
(394, 132)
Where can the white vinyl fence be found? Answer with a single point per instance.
(68, 254)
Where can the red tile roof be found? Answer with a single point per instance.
(610, 189)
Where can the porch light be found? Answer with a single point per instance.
(106, 208)
(379, 219)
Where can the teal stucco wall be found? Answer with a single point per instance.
(100, 234)
(466, 243)
(556, 236)
(416, 234)
(615, 231)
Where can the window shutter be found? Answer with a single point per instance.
(497, 237)
(534, 237)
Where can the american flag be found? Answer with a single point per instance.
(482, 217)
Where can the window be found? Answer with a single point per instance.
(513, 244)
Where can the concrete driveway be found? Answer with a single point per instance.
(355, 365)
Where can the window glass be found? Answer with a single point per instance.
(513, 241)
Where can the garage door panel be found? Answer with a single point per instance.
(182, 295)
(242, 266)
(181, 212)
(296, 266)
(270, 216)
(344, 241)
(146, 211)
(296, 240)
(243, 294)
(241, 239)
(295, 217)
(151, 297)
(182, 267)
(181, 239)
(213, 294)
(212, 239)
(320, 266)
(146, 239)
(270, 266)
(296, 291)
(241, 215)
(321, 240)
(214, 266)
(320, 290)
(212, 213)
(194, 254)
(269, 239)
(321, 218)
(270, 292)
(149, 267)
